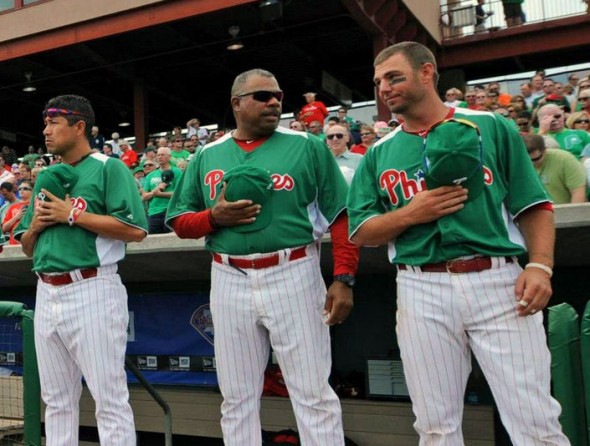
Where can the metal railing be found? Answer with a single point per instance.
(458, 17)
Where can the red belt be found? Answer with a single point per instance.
(262, 262)
(457, 266)
(66, 278)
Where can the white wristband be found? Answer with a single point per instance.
(545, 268)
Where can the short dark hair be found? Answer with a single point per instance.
(416, 54)
(532, 140)
(334, 118)
(7, 185)
(524, 114)
(79, 105)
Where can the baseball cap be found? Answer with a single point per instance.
(247, 182)
(452, 154)
(58, 179)
(310, 92)
(137, 170)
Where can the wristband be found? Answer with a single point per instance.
(74, 215)
(545, 268)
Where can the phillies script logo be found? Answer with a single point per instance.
(215, 177)
(78, 203)
(391, 178)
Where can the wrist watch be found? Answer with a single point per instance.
(347, 279)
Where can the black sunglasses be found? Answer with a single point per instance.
(263, 95)
(335, 135)
(582, 121)
(585, 98)
(24, 188)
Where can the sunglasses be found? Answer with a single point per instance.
(585, 98)
(582, 121)
(335, 135)
(523, 124)
(263, 95)
(25, 188)
(366, 134)
(149, 165)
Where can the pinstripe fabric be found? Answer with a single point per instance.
(282, 306)
(442, 318)
(81, 329)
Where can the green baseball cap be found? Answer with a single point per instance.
(58, 179)
(247, 182)
(137, 170)
(452, 154)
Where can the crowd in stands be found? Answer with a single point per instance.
(553, 119)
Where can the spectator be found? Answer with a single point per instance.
(17, 211)
(471, 100)
(9, 155)
(31, 156)
(35, 173)
(149, 166)
(177, 132)
(519, 103)
(4, 170)
(481, 100)
(163, 141)
(353, 126)
(149, 154)
(115, 143)
(381, 129)
(368, 137)
(25, 172)
(181, 164)
(96, 139)
(480, 16)
(502, 99)
(193, 127)
(129, 156)
(454, 98)
(513, 12)
(393, 123)
(40, 162)
(549, 95)
(578, 121)
(552, 128)
(573, 80)
(107, 149)
(177, 150)
(526, 90)
(563, 176)
(313, 110)
(189, 145)
(316, 128)
(157, 191)
(537, 86)
(584, 100)
(524, 122)
(570, 94)
(7, 190)
(297, 126)
(337, 138)
(139, 176)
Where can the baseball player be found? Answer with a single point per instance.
(76, 233)
(460, 289)
(266, 284)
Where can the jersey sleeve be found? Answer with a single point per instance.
(364, 196)
(332, 187)
(187, 196)
(122, 198)
(573, 172)
(524, 186)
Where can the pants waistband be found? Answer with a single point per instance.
(76, 275)
(459, 266)
(272, 259)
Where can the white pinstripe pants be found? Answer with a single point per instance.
(282, 305)
(81, 329)
(441, 318)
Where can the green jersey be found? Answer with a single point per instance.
(157, 205)
(391, 173)
(309, 190)
(105, 186)
(574, 141)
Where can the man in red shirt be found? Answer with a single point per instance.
(129, 157)
(313, 110)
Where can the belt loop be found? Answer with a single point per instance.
(76, 275)
(284, 255)
(497, 262)
(224, 259)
